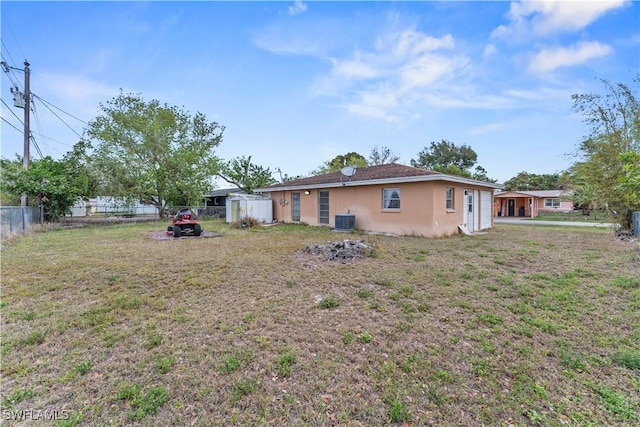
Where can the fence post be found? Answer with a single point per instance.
(635, 223)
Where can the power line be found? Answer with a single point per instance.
(44, 101)
(35, 144)
(9, 123)
(59, 118)
(4, 16)
(14, 114)
(11, 70)
(38, 125)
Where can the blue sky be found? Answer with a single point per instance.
(298, 83)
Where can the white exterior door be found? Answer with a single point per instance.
(469, 209)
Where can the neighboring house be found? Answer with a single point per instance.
(388, 198)
(531, 203)
(219, 197)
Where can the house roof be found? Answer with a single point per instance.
(224, 192)
(534, 193)
(392, 173)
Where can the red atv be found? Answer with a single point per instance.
(184, 224)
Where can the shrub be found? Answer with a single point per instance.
(246, 222)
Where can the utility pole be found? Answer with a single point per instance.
(27, 130)
(23, 100)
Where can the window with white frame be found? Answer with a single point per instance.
(552, 203)
(449, 198)
(391, 198)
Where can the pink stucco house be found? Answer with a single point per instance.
(388, 198)
(531, 203)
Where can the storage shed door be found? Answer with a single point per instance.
(486, 208)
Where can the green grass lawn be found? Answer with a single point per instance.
(518, 326)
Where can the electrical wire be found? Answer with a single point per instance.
(36, 118)
(52, 139)
(4, 17)
(44, 101)
(35, 144)
(11, 72)
(9, 123)
(59, 118)
(14, 114)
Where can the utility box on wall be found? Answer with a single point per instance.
(249, 205)
(345, 222)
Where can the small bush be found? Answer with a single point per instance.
(246, 222)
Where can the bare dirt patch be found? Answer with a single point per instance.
(162, 235)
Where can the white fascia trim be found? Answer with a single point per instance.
(398, 180)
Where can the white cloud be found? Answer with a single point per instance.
(390, 81)
(550, 59)
(489, 50)
(81, 92)
(354, 69)
(488, 129)
(540, 18)
(298, 7)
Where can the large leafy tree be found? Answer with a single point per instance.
(157, 154)
(609, 149)
(382, 156)
(244, 174)
(449, 158)
(525, 181)
(342, 160)
(55, 185)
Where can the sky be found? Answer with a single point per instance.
(297, 83)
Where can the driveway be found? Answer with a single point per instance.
(525, 221)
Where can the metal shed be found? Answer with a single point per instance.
(249, 205)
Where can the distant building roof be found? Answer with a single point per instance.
(382, 174)
(536, 193)
(225, 192)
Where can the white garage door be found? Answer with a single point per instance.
(486, 208)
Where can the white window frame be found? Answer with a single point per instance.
(390, 203)
(449, 197)
(552, 202)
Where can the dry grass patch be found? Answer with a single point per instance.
(519, 326)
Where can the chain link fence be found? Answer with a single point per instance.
(18, 220)
(109, 213)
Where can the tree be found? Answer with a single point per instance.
(382, 156)
(157, 154)
(286, 177)
(446, 157)
(244, 174)
(614, 136)
(340, 161)
(56, 185)
(629, 180)
(525, 181)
